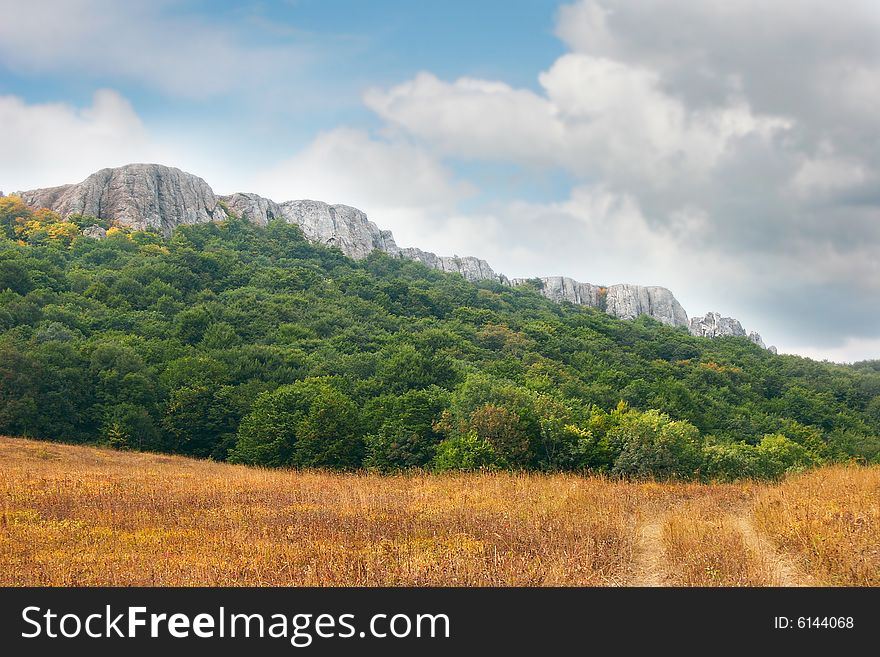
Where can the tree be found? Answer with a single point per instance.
(653, 445)
(468, 452)
(401, 432)
(503, 430)
(307, 424)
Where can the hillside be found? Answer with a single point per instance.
(253, 344)
(161, 198)
(80, 516)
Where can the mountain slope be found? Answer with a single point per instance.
(254, 344)
(154, 196)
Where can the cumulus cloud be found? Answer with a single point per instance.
(155, 43)
(731, 149)
(54, 143)
(400, 185)
(597, 115)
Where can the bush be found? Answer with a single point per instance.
(731, 461)
(468, 452)
(779, 455)
(306, 424)
(653, 445)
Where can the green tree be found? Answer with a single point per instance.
(653, 445)
(468, 452)
(307, 424)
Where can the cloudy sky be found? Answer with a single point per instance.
(726, 149)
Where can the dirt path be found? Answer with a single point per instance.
(649, 561)
(650, 567)
(784, 569)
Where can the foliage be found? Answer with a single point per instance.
(468, 452)
(651, 444)
(236, 342)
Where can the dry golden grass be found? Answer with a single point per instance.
(829, 519)
(86, 516)
(707, 542)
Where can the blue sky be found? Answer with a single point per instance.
(663, 143)
(343, 47)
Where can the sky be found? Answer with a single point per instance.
(726, 149)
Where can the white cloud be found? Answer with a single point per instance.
(397, 184)
(852, 350)
(54, 143)
(597, 116)
(472, 118)
(821, 176)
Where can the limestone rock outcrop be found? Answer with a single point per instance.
(144, 196)
(713, 325)
(349, 229)
(562, 288)
(341, 226)
(623, 301)
(631, 301)
(252, 207)
(137, 195)
(473, 269)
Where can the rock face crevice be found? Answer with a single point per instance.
(152, 196)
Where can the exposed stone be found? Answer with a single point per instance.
(140, 196)
(338, 225)
(473, 269)
(756, 338)
(153, 196)
(562, 288)
(623, 301)
(713, 325)
(252, 207)
(632, 301)
(95, 232)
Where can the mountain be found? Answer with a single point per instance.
(158, 197)
(256, 345)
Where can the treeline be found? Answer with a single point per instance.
(252, 345)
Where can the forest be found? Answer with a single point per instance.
(251, 345)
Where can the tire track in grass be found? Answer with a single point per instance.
(785, 570)
(649, 563)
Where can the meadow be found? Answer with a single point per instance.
(73, 515)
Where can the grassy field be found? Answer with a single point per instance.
(86, 516)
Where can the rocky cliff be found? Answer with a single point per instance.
(631, 301)
(349, 229)
(154, 196)
(562, 288)
(713, 325)
(624, 301)
(138, 195)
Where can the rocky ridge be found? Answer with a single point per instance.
(137, 195)
(713, 325)
(152, 196)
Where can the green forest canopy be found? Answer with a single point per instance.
(255, 346)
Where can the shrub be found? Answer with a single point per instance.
(653, 445)
(468, 452)
(779, 455)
